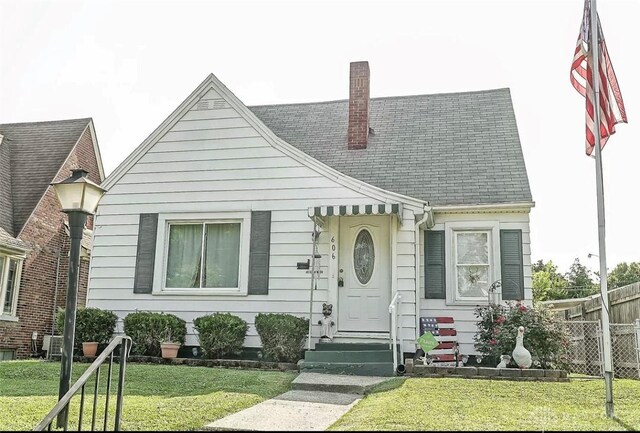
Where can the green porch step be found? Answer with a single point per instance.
(351, 347)
(358, 356)
(384, 369)
(360, 359)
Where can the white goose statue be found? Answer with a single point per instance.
(521, 355)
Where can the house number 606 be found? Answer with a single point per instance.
(333, 248)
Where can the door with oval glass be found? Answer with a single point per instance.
(364, 270)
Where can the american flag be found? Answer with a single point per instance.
(612, 109)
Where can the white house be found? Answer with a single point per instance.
(422, 196)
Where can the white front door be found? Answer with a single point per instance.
(364, 273)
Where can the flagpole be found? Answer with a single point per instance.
(606, 332)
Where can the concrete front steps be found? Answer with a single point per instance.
(330, 384)
(360, 359)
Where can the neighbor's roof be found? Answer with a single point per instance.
(37, 151)
(565, 304)
(6, 240)
(448, 149)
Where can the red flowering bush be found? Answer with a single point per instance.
(545, 336)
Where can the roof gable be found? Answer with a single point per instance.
(212, 86)
(447, 149)
(37, 151)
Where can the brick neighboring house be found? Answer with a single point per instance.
(34, 233)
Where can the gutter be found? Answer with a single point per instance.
(428, 218)
(484, 207)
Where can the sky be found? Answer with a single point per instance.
(128, 65)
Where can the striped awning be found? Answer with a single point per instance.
(357, 209)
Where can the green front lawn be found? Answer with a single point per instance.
(466, 404)
(157, 397)
(160, 397)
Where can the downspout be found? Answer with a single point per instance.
(425, 218)
(55, 294)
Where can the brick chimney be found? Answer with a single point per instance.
(358, 132)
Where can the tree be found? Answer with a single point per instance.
(579, 281)
(548, 283)
(623, 274)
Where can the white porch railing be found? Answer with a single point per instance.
(393, 335)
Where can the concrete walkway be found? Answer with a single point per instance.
(316, 402)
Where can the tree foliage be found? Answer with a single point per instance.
(623, 274)
(580, 280)
(548, 283)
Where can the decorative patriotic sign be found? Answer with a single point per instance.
(611, 106)
(427, 342)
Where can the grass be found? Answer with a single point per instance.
(466, 404)
(169, 397)
(157, 397)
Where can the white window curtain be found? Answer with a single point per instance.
(222, 255)
(472, 264)
(219, 268)
(11, 284)
(185, 256)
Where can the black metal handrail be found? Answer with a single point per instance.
(60, 410)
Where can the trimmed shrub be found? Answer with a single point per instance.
(92, 324)
(282, 335)
(148, 330)
(220, 334)
(545, 336)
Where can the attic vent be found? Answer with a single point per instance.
(219, 103)
(202, 105)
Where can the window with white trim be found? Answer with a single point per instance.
(472, 260)
(472, 255)
(203, 253)
(10, 268)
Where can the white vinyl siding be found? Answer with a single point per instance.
(212, 162)
(463, 314)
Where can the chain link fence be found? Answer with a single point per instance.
(585, 352)
(624, 346)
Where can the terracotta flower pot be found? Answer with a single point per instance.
(89, 348)
(169, 350)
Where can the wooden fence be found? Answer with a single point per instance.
(624, 306)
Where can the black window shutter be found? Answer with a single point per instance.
(259, 253)
(146, 253)
(434, 266)
(511, 264)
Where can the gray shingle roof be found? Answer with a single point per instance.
(6, 240)
(448, 149)
(37, 151)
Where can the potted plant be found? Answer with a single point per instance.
(93, 327)
(89, 348)
(169, 347)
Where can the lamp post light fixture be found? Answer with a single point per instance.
(78, 197)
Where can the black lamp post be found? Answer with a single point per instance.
(78, 197)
